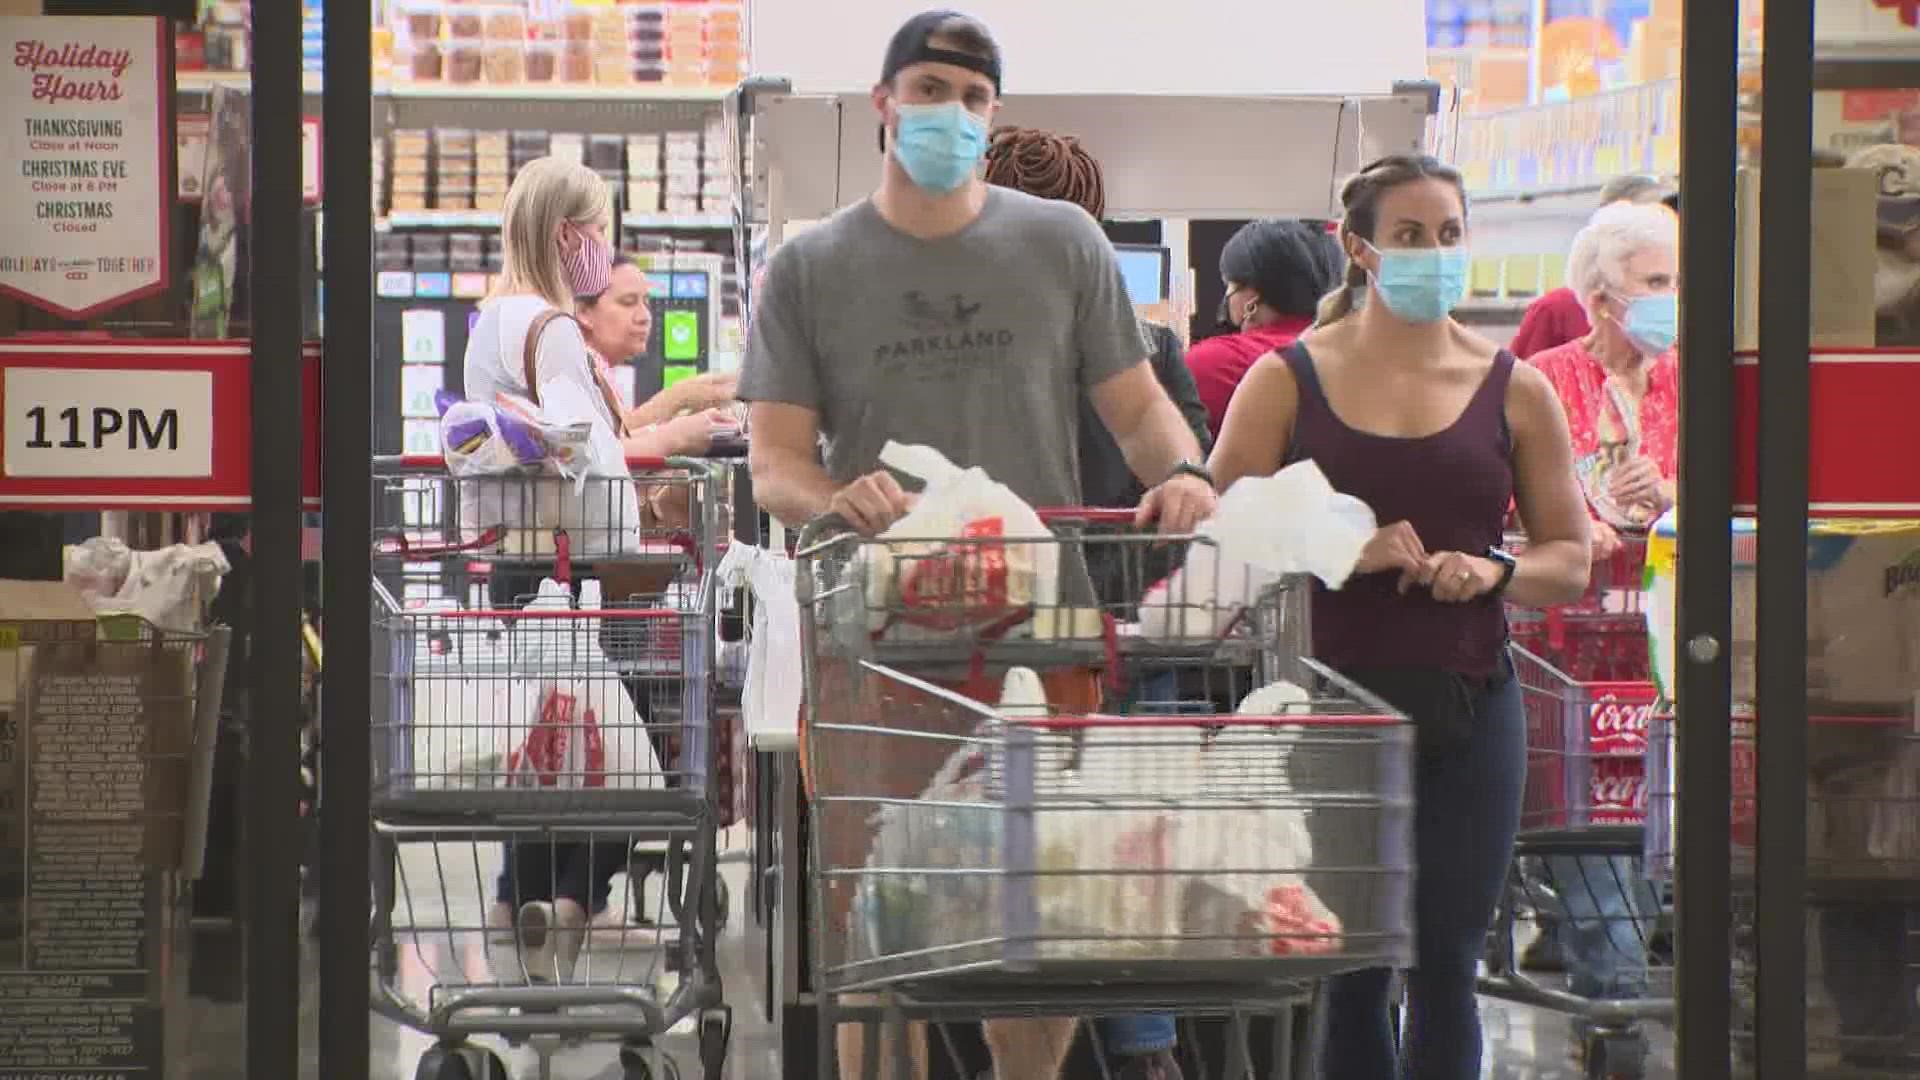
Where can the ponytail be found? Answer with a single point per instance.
(1340, 303)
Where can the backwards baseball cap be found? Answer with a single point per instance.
(912, 44)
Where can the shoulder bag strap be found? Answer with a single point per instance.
(530, 363)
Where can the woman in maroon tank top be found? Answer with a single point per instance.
(1439, 432)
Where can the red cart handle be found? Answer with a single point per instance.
(400, 545)
(1093, 720)
(435, 461)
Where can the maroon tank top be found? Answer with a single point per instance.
(1454, 487)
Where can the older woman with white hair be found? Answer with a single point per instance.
(1620, 384)
(1620, 387)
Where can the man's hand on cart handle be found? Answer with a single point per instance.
(872, 503)
(1178, 505)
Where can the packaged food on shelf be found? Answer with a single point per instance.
(576, 61)
(643, 155)
(493, 163)
(530, 144)
(392, 251)
(466, 252)
(643, 196)
(466, 22)
(566, 144)
(429, 252)
(422, 19)
(577, 25)
(410, 141)
(491, 142)
(424, 61)
(612, 71)
(505, 22)
(609, 28)
(453, 142)
(466, 61)
(506, 63)
(606, 152)
(686, 204)
(543, 61)
(490, 201)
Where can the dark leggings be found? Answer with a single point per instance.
(1471, 760)
(572, 870)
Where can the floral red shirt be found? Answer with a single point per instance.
(1580, 380)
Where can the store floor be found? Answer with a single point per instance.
(1522, 1044)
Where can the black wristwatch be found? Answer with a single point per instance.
(1508, 564)
(1192, 468)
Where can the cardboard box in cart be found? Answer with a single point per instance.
(1863, 614)
(123, 708)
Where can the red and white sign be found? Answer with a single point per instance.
(84, 205)
(1617, 791)
(1617, 718)
(1863, 442)
(137, 425)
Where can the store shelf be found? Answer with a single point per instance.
(490, 219)
(205, 81)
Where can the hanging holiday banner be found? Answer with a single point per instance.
(84, 200)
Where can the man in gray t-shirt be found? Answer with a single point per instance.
(971, 320)
(964, 318)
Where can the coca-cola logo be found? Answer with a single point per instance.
(1617, 792)
(1618, 725)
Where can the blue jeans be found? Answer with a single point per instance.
(1469, 772)
(1608, 909)
(1145, 1034)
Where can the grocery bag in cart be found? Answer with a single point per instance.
(1265, 528)
(946, 565)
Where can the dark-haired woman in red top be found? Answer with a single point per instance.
(1275, 273)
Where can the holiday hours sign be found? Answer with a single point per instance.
(84, 162)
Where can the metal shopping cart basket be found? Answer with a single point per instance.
(1081, 856)
(1863, 876)
(527, 739)
(1577, 869)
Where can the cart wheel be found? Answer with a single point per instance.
(716, 1031)
(445, 1062)
(1616, 1057)
(636, 1063)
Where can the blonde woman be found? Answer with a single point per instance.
(529, 342)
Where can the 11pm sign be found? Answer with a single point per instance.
(78, 423)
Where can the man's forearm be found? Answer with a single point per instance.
(1159, 443)
(794, 489)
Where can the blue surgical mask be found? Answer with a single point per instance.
(939, 145)
(1652, 323)
(1422, 285)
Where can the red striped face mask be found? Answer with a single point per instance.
(589, 266)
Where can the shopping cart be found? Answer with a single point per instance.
(1863, 876)
(535, 733)
(1601, 636)
(1577, 867)
(1155, 852)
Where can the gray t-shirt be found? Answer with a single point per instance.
(980, 345)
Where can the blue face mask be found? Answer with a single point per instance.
(1422, 285)
(1652, 323)
(939, 145)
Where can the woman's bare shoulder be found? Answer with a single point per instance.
(1468, 342)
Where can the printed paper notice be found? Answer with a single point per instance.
(83, 203)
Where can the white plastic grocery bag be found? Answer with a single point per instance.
(770, 700)
(1265, 527)
(917, 580)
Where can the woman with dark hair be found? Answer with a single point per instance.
(1439, 431)
(1275, 273)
